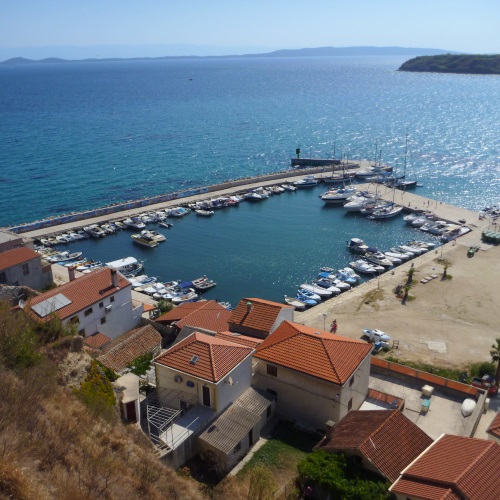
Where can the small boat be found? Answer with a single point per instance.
(253, 196)
(154, 235)
(62, 239)
(203, 283)
(308, 294)
(128, 266)
(177, 212)
(331, 284)
(374, 256)
(144, 240)
(294, 302)
(412, 249)
(348, 275)
(454, 233)
(338, 195)
(357, 245)
(204, 213)
(386, 212)
(166, 225)
(63, 257)
(134, 223)
(317, 290)
(468, 407)
(288, 187)
(403, 257)
(306, 299)
(306, 182)
(184, 295)
(365, 267)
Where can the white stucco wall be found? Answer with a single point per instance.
(284, 315)
(121, 318)
(222, 394)
(310, 400)
(36, 278)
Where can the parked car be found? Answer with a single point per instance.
(375, 335)
(487, 383)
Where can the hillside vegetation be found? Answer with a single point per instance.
(448, 63)
(65, 442)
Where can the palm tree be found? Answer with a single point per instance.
(495, 356)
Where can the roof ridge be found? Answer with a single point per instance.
(379, 428)
(328, 356)
(211, 355)
(475, 461)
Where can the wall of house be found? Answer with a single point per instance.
(222, 394)
(284, 315)
(311, 400)
(37, 278)
(241, 377)
(121, 318)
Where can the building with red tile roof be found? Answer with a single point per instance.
(96, 341)
(493, 430)
(206, 315)
(258, 317)
(212, 369)
(453, 467)
(118, 354)
(97, 302)
(316, 376)
(384, 441)
(239, 339)
(22, 266)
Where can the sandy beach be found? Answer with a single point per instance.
(450, 322)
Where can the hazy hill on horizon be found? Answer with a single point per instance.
(304, 52)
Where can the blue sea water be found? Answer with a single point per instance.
(82, 135)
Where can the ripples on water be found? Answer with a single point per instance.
(96, 133)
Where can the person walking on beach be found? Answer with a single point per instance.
(333, 329)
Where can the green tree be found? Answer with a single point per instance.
(495, 356)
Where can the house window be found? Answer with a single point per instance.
(112, 298)
(81, 332)
(26, 269)
(75, 320)
(103, 320)
(3, 277)
(88, 311)
(272, 370)
(101, 305)
(351, 381)
(349, 405)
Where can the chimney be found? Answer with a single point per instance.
(329, 428)
(249, 306)
(114, 278)
(71, 273)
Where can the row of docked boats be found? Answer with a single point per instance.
(427, 222)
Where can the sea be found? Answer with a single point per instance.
(75, 136)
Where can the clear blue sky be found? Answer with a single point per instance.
(461, 25)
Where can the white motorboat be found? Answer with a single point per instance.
(363, 174)
(154, 235)
(63, 257)
(357, 245)
(357, 203)
(62, 239)
(265, 193)
(331, 283)
(288, 187)
(412, 249)
(184, 296)
(364, 267)
(294, 302)
(428, 245)
(374, 256)
(128, 266)
(307, 181)
(397, 255)
(454, 233)
(348, 275)
(166, 225)
(253, 196)
(94, 231)
(204, 213)
(134, 223)
(338, 195)
(322, 292)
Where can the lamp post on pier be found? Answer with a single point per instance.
(324, 321)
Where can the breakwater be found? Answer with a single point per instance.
(115, 208)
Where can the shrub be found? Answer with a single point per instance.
(141, 365)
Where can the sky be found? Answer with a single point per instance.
(128, 28)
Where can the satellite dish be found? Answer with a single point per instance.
(21, 303)
(230, 381)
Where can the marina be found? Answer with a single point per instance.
(199, 245)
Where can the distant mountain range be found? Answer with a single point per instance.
(314, 52)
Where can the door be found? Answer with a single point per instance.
(131, 413)
(206, 395)
(250, 438)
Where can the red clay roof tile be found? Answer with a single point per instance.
(215, 357)
(211, 317)
(386, 437)
(320, 354)
(494, 428)
(255, 314)
(179, 312)
(96, 341)
(118, 354)
(16, 256)
(237, 338)
(467, 466)
(83, 292)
